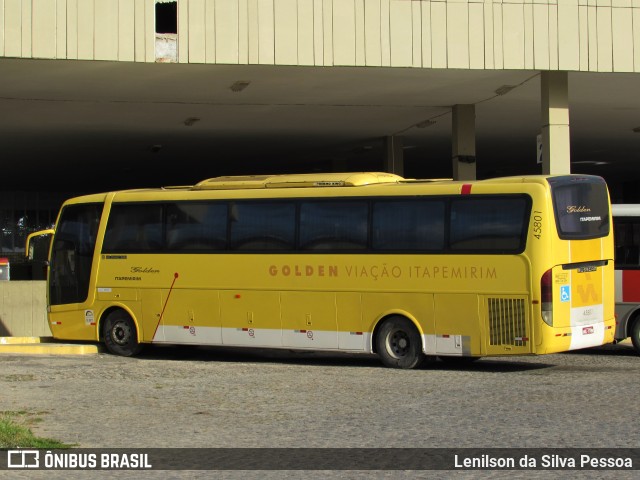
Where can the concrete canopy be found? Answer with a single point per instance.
(89, 125)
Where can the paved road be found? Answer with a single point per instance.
(197, 397)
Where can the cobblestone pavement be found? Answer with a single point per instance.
(201, 397)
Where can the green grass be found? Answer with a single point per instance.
(15, 432)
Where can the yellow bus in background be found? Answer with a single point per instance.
(354, 262)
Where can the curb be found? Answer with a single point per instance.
(45, 346)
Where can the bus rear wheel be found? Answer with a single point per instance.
(120, 335)
(399, 344)
(635, 334)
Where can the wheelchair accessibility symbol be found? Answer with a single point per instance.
(565, 293)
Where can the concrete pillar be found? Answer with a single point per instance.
(556, 155)
(394, 155)
(464, 142)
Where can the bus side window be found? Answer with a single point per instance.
(632, 256)
(627, 243)
(134, 228)
(262, 226)
(333, 225)
(196, 226)
(408, 225)
(486, 224)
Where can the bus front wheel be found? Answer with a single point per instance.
(635, 334)
(120, 335)
(399, 344)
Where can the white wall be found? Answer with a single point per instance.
(23, 309)
(571, 35)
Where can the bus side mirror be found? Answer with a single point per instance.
(37, 253)
(37, 245)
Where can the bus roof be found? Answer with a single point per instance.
(352, 179)
(236, 185)
(348, 179)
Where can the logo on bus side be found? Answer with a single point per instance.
(144, 270)
(583, 209)
(137, 270)
(304, 270)
(588, 294)
(586, 289)
(577, 209)
(384, 271)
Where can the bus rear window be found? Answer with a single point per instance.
(581, 206)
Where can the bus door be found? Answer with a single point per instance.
(70, 269)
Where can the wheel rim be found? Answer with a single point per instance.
(121, 333)
(398, 343)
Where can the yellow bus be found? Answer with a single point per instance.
(354, 262)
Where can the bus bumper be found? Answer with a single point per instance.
(563, 339)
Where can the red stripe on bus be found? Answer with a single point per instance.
(631, 285)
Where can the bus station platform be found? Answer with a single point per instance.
(46, 346)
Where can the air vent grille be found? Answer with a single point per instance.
(507, 322)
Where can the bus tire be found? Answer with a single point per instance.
(634, 333)
(399, 344)
(120, 336)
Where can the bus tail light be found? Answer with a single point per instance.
(546, 289)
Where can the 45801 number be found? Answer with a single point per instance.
(537, 224)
